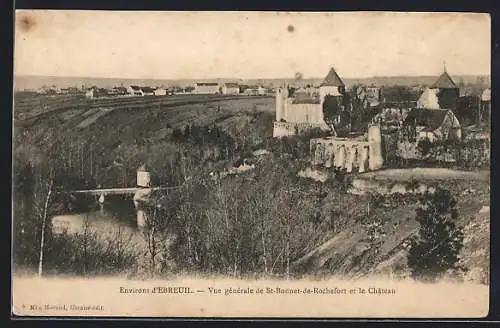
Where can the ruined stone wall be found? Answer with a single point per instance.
(343, 154)
(351, 154)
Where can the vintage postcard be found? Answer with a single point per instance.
(251, 164)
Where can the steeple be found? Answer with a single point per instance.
(444, 82)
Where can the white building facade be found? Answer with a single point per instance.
(206, 88)
(294, 117)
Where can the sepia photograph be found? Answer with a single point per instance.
(251, 164)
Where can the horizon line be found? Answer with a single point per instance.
(241, 78)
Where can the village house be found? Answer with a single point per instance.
(230, 89)
(206, 88)
(160, 91)
(147, 91)
(251, 90)
(398, 96)
(433, 124)
(135, 90)
(368, 95)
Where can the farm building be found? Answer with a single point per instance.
(147, 91)
(230, 89)
(160, 92)
(206, 88)
(302, 111)
(135, 90)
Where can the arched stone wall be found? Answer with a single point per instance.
(352, 155)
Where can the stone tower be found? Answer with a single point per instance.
(279, 104)
(375, 158)
(332, 85)
(143, 177)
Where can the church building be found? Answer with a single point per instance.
(443, 94)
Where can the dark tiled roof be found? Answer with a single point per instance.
(333, 79)
(444, 82)
(431, 119)
(147, 89)
(305, 98)
(232, 85)
(135, 87)
(212, 84)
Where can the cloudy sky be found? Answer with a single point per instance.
(248, 44)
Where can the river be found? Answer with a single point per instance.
(117, 217)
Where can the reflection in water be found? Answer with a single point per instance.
(117, 217)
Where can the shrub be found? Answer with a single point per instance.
(439, 241)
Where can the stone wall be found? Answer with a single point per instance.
(352, 154)
(303, 113)
(283, 129)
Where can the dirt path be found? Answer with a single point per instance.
(425, 174)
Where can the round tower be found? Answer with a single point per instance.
(279, 104)
(143, 177)
(375, 152)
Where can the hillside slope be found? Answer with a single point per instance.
(357, 252)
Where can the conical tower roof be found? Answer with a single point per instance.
(444, 82)
(333, 79)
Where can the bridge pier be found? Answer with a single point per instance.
(101, 201)
(141, 195)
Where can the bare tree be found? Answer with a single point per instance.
(44, 194)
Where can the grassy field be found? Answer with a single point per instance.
(28, 107)
(149, 113)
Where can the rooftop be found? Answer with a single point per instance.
(333, 79)
(207, 84)
(444, 82)
(232, 85)
(430, 119)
